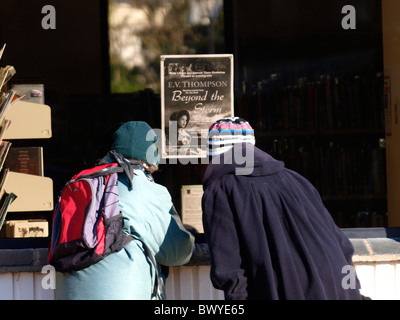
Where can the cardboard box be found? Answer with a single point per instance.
(27, 228)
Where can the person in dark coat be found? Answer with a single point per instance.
(269, 234)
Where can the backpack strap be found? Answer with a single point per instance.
(123, 163)
(124, 166)
(102, 172)
(150, 255)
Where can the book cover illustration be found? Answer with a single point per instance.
(196, 91)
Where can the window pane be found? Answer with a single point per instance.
(142, 30)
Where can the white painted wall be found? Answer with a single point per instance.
(191, 283)
(380, 280)
(23, 286)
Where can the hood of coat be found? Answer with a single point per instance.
(243, 159)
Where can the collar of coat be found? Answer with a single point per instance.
(242, 159)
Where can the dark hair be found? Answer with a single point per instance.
(183, 113)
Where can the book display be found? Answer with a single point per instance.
(24, 188)
(313, 91)
(331, 130)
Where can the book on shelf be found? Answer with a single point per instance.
(4, 149)
(3, 179)
(10, 97)
(2, 50)
(6, 73)
(27, 160)
(7, 100)
(325, 103)
(4, 124)
(5, 202)
(358, 168)
(6, 198)
(30, 92)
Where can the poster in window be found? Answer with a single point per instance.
(196, 91)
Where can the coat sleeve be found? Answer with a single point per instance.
(178, 244)
(221, 233)
(149, 215)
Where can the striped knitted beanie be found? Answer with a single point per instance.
(225, 132)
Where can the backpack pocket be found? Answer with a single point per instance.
(116, 238)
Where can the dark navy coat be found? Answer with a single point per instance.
(270, 236)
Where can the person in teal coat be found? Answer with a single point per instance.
(149, 215)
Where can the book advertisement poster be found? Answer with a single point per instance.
(196, 91)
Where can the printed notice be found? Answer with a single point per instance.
(196, 91)
(191, 207)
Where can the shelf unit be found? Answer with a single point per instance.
(28, 121)
(34, 193)
(331, 130)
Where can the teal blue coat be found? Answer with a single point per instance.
(149, 215)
